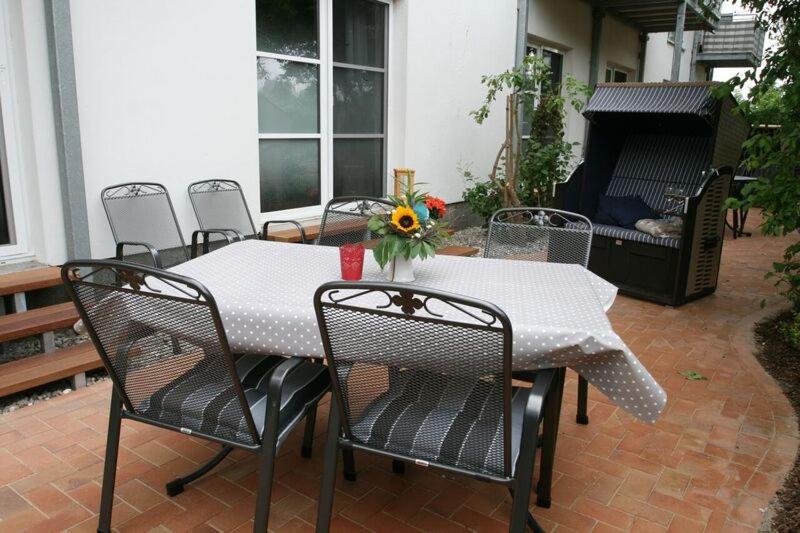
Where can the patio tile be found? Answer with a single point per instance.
(712, 462)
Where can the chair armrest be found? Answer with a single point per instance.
(150, 248)
(279, 375)
(295, 223)
(206, 233)
(537, 396)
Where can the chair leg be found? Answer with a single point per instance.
(398, 467)
(329, 470)
(349, 464)
(266, 468)
(552, 413)
(583, 400)
(176, 486)
(110, 467)
(308, 433)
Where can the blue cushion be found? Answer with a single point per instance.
(623, 211)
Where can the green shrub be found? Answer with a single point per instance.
(482, 197)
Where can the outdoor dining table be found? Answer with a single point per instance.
(264, 291)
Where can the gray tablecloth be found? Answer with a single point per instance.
(264, 291)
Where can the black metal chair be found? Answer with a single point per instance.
(141, 216)
(220, 203)
(547, 235)
(164, 346)
(424, 376)
(345, 219)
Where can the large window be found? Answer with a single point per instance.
(321, 68)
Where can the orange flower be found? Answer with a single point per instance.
(436, 206)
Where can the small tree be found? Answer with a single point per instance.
(527, 170)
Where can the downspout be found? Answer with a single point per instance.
(677, 51)
(521, 49)
(598, 15)
(68, 131)
(643, 38)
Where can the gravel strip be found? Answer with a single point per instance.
(30, 346)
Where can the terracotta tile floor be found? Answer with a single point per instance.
(711, 463)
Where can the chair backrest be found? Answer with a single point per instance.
(220, 204)
(143, 212)
(400, 351)
(345, 219)
(163, 344)
(539, 234)
(649, 164)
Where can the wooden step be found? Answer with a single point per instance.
(29, 280)
(41, 320)
(461, 251)
(23, 374)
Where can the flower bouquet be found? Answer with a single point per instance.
(414, 228)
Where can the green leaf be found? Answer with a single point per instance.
(375, 223)
(692, 375)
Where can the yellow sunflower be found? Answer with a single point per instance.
(405, 219)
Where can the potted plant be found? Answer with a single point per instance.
(413, 228)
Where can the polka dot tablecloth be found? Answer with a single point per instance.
(264, 291)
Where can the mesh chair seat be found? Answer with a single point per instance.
(440, 420)
(616, 232)
(210, 408)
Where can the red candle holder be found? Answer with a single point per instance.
(351, 258)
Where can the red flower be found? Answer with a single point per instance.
(436, 207)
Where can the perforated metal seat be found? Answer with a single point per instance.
(424, 377)
(162, 341)
(345, 220)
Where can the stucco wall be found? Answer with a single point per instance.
(658, 66)
(450, 45)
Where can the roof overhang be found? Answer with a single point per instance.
(657, 16)
(680, 98)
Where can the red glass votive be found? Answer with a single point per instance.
(351, 258)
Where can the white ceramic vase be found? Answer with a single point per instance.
(401, 270)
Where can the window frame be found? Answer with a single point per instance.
(629, 74)
(326, 135)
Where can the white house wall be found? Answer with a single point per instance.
(658, 66)
(449, 45)
(166, 93)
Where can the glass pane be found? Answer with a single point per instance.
(620, 76)
(357, 101)
(289, 170)
(287, 27)
(358, 167)
(358, 32)
(288, 96)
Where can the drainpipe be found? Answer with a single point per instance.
(678, 49)
(68, 131)
(594, 62)
(643, 38)
(698, 36)
(522, 32)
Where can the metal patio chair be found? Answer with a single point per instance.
(141, 216)
(220, 203)
(424, 376)
(163, 344)
(548, 235)
(345, 219)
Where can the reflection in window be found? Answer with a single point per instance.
(288, 96)
(289, 173)
(357, 101)
(287, 27)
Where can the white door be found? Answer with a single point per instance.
(13, 241)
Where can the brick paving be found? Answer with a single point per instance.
(711, 463)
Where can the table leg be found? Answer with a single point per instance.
(549, 437)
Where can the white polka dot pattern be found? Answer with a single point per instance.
(264, 291)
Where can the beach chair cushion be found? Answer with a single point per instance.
(616, 232)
